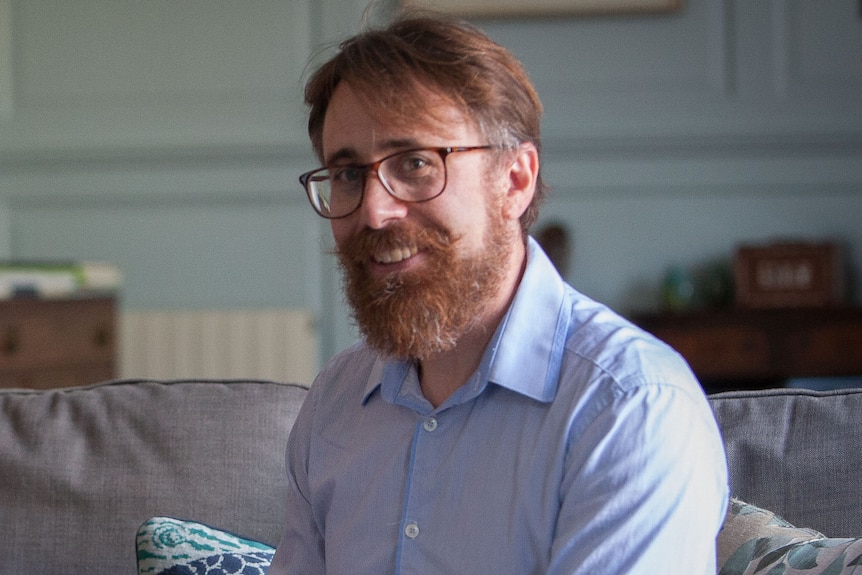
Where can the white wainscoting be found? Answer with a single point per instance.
(277, 344)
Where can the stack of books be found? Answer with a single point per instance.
(45, 279)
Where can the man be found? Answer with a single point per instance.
(493, 420)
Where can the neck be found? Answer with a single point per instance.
(443, 373)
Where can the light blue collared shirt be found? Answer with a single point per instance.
(581, 445)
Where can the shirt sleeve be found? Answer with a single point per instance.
(645, 487)
(300, 551)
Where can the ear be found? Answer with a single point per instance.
(522, 175)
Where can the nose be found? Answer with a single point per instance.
(379, 207)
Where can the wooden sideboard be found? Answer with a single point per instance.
(748, 349)
(46, 343)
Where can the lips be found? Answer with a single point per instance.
(395, 255)
(395, 245)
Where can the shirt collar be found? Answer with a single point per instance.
(532, 336)
(525, 353)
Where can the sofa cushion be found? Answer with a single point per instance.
(749, 532)
(168, 546)
(83, 468)
(796, 452)
(754, 540)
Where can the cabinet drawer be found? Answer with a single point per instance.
(826, 350)
(45, 334)
(719, 351)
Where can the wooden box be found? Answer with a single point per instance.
(789, 275)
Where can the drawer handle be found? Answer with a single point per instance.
(102, 337)
(11, 341)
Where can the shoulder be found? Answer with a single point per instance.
(358, 358)
(612, 348)
(345, 376)
(613, 369)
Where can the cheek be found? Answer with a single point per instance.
(341, 231)
(470, 227)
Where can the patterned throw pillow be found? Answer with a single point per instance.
(169, 546)
(754, 541)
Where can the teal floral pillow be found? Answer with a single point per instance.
(169, 546)
(756, 541)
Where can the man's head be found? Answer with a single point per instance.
(394, 69)
(428, 133)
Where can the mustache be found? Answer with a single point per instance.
(367, 242)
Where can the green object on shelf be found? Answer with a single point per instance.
(677, 289)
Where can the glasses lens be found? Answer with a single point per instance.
(414, 176)
(335, 192)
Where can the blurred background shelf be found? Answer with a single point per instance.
(758, 348)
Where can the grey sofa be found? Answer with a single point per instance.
(798, 453)
(82, 468)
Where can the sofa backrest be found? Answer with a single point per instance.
(797, 453)
(82, 468)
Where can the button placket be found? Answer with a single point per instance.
(425, 452)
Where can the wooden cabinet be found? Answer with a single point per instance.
(742, 348)
(57, 343)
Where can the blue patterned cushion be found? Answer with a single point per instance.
(754, 541)
(169, 546)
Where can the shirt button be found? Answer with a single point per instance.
(412, 530)
(430, 424)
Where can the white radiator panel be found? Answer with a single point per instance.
(278, 344)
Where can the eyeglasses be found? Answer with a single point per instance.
(411, 176)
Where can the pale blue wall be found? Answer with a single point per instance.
(166, 137)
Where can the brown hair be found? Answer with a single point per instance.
(395, 68)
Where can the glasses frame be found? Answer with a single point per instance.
(444, 152)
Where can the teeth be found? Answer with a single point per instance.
(395, 255)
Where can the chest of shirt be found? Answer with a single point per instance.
(391, 482)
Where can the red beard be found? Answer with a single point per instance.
(415, 314)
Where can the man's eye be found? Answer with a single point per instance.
(346, 175)
(414, 165)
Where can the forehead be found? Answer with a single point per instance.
(361, 127)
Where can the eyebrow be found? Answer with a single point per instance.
(385, 147)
